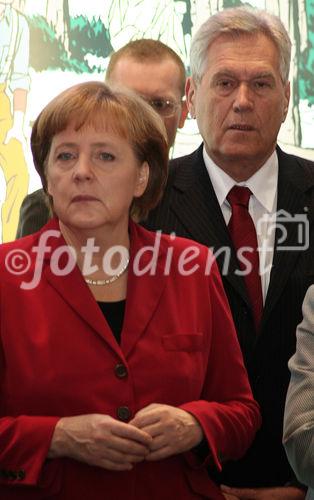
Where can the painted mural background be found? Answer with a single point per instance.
(48, 45)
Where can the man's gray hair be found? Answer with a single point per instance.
(237, 22)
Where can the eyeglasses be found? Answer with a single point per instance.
(164, 107)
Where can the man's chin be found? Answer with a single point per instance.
(238, 152)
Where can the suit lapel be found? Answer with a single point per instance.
(198, 210)
(292, 203)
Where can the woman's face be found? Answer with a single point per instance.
(93, 176)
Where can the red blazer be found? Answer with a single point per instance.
(58, 358)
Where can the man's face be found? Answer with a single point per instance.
(240, 101)
(154, 81)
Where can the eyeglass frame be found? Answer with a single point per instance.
(174, 105)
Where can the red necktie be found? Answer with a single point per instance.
(243, 234)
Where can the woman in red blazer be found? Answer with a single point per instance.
(120, 372)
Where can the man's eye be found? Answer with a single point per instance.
(106, 156)
(225, 84)
(163, 107)
(261, 85)
(160, 105)
(65, 156)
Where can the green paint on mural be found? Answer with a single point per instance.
(307, 58)
(85, 37)
(232, 3)
(89, 37)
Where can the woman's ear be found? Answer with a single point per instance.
(48, 187)
(142, 181)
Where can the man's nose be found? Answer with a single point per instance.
(243, 98)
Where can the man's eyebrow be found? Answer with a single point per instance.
(264, 75)
(231, 74)
(224, 73)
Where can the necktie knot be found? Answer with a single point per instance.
(239, 195)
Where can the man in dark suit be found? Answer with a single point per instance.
(161, 84)
(239, 94)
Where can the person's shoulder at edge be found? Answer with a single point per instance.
(180, 173)
(38, 194)
(175, 163)
(305, 162)
(34, 213)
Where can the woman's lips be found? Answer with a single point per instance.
(83, 197)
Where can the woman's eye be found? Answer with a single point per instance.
(64, 156)
(106, 156)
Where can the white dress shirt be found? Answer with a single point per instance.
(262, 206)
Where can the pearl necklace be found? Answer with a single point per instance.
(108, 281)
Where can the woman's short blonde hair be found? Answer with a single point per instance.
(101, 106)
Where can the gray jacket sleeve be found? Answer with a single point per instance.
(299, 411)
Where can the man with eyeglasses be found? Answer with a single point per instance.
(151, 69)
(156, 72)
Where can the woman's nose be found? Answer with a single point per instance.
(83, 168)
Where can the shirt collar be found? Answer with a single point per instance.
(263, 184)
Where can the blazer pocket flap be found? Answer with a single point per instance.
(183, 342)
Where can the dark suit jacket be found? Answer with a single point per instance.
(190, 208)
(58, 358)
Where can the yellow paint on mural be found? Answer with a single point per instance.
(15, 171)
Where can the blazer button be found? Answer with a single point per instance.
(21, 474)
(121, 370)
(123, 413)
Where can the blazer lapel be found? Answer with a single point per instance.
(75, 291)
(144, 289)
(292, 204)
(198, 210)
